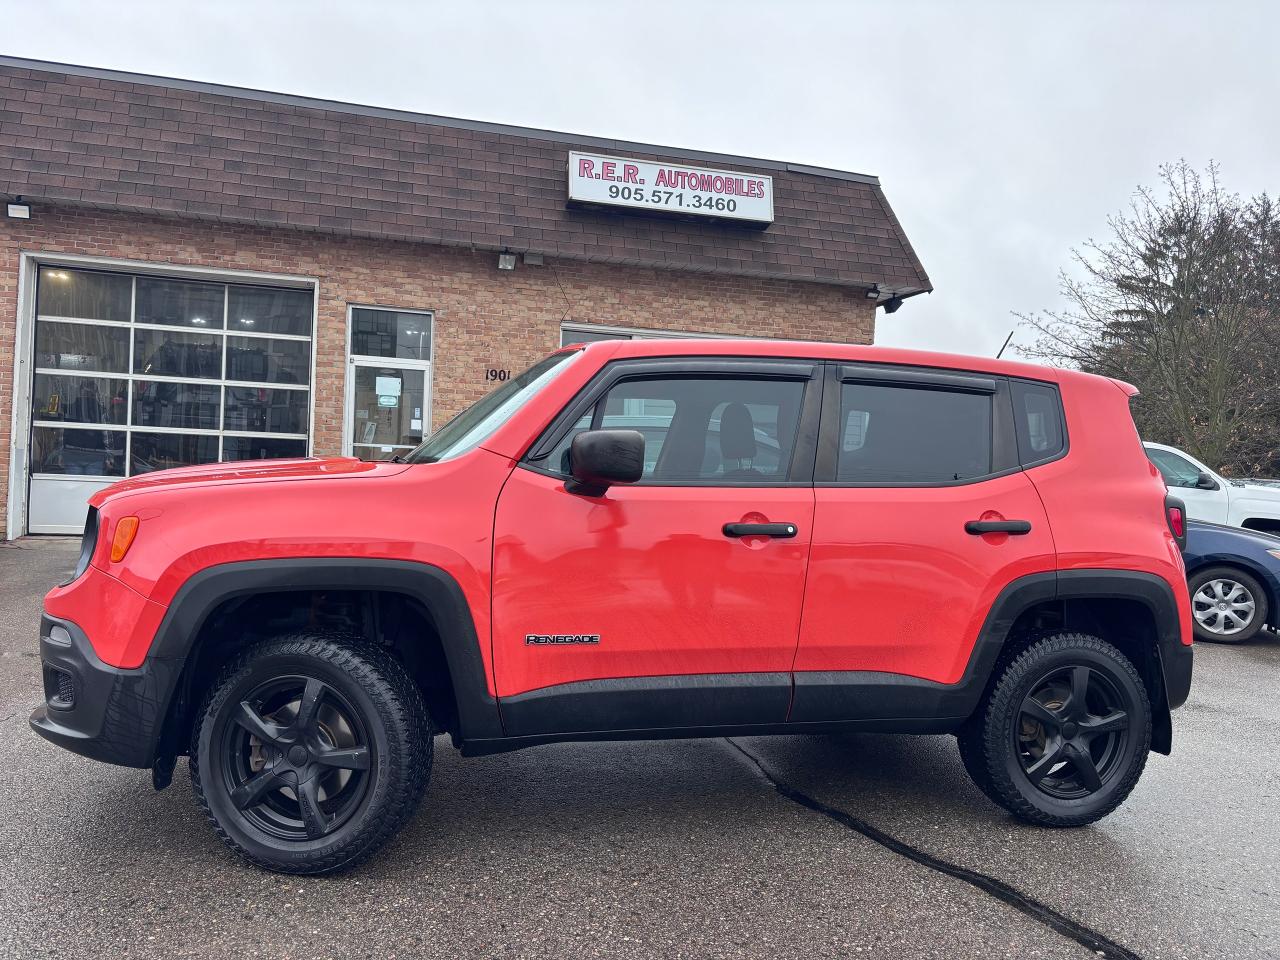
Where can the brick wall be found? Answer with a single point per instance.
(483, 317)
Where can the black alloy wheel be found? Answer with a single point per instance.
(310, 752)
(297, 758)
(1063, 736)
(1070, 740)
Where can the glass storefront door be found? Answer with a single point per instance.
(388, 382)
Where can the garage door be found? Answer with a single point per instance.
(139, 373)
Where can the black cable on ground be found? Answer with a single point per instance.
(1090, 939)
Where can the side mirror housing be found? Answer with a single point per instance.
(601, 458)
(1205, 481)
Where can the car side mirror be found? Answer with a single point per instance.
(1205, 481)
(601, 458)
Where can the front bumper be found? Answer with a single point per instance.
(94, 709)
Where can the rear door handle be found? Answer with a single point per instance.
(1016, 527)
(780, 530)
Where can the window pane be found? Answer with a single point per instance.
(164, 353)
(266, 410)
(160, 451)
(268, 361)
(269, 310)
(388, 406)
(79, 399)
(1038, 421)
(182, 303)
(84, 294)
(261, 448)
(95, 453)
(390, 333)
(1177, 471)
(910, 435)
(78, 346)
(713, 429)
(162, 403)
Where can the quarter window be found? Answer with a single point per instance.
(1037, 417)
(904, 435)
(708, 429)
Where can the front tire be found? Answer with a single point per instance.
(1227, 605)
(1063, 736)
(311, 752)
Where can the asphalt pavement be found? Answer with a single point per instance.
(850, 846)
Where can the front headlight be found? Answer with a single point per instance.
(87, 544)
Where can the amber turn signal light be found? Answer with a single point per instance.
(126, 530)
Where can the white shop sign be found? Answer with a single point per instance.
(670, 188)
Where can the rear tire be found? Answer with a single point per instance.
(1221, 599)
(1063, 736)
(310, 752)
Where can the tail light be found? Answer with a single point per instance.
(1175, 513)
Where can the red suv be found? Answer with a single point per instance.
(638, 540)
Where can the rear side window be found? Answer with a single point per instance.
(905, 435)
(1037, 419)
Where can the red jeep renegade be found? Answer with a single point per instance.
(638, 540)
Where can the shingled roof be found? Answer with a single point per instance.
(144, 144)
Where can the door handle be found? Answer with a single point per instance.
(1016, 527)
(780, 530)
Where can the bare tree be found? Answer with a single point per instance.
(1182, 301)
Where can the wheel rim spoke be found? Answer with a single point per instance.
(1084, 767)
(1051, 757)
(351, 758)
(309, 706)
(1077, 706)
(1112, 722)
(249, 718)
(1037, 711)
(313, 818)
(251, 792)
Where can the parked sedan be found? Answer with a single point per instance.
(1234, 579)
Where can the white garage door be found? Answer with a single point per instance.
(141, 373)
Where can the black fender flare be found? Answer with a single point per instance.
(433, 587)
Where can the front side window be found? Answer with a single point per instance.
(1177, 471)
(479, 421)
(699, 429)
(907, 435)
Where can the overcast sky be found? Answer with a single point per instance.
(1004, 134)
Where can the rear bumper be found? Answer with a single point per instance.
(111, 714)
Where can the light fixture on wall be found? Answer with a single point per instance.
(506, 260)
(19, 210)
(892, 304)
(873, 292)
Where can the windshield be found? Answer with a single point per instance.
(477, 423)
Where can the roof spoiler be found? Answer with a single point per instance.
(1128, 389)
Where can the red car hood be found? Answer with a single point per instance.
(248, 471)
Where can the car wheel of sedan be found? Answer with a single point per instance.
(310, 752)
(1227, 605)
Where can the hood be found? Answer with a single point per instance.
(1253, 483)
(248, 471)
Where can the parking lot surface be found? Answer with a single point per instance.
(851, 846)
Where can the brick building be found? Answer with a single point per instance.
(192, 272)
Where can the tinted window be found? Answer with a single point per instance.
(710, 429)
(269, 310)
(80, 293)
(181, 303)
(1037, 415)
(1177, 471)
(891, 434)
(390, 333)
